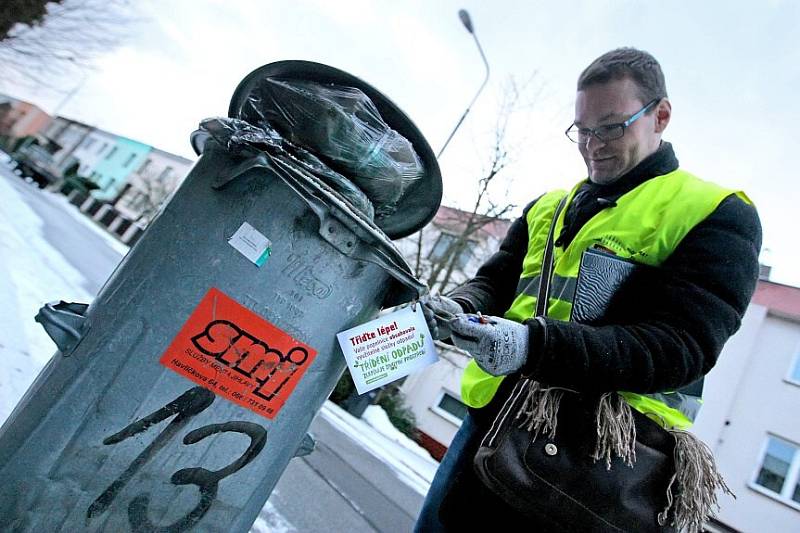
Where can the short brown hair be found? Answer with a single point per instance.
(641, 67)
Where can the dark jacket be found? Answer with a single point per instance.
(667, 333)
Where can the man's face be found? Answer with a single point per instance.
(614, 102)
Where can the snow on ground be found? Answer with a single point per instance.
(412, 464)
(76, 213)
(32, 273)
(271, 521)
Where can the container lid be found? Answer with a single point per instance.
(420, 200)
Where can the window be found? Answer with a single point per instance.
(52, 147)
(145, 167)
(794, 371)
(779, 471)
(451, 407)
(134, 200)
(102, 147)
(165, 174)
(111, 153)
(129, 160)
(88, 143)
(443, 246)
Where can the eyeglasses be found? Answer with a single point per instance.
(609, 132)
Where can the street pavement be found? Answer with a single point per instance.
(339, 487)
(342, 487)
(86, 251)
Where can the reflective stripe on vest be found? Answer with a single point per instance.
(646, 226)
(560, 288)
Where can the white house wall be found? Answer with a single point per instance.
(722, 384)
(481, 250)
(66, 137)
(160, 161)
(423, 390)
(764, 404)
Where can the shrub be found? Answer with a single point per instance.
(393, 402)
(343, 389)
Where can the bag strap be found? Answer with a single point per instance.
(547, 264)
(541, 308)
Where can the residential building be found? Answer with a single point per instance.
(131, 179)
(92, 149)
(111, 172)
(20, 119)
(61, 137)
(49, 155)
(751, 415)
(452, 247)
(153, 182)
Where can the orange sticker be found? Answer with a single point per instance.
(238, 355)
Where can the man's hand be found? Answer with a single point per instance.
(499, 346)
(438, 311)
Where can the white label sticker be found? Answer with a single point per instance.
(251, 244)
(387, 348)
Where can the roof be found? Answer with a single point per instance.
(776, 297)
(454, 219)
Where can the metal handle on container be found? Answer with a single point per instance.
(64, 322)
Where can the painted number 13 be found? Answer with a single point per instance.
(184, 408)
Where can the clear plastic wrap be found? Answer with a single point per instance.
(246, 140)
(343, 130)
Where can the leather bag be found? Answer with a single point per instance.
(556, 481)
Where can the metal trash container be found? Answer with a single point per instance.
(119, 433)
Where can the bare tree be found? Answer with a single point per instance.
(148, 191)
(438, 271)
(41, 42)
(25, 12)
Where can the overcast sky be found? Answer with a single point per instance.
(732, 70)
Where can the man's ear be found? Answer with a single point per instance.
(663, 114)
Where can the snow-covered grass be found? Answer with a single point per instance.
(75, 213)
(271, 521)
(31, 273)
(412, 463)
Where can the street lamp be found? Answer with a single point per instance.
(71, 93)
(467, 22)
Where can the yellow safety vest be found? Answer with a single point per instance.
(645, 226)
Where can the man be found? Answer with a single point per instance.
(660, 336)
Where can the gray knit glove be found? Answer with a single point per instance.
(499, 346)
(439, 311)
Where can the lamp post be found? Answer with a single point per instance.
(70, 94)
(467, 22)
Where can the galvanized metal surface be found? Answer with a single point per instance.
(108, 439)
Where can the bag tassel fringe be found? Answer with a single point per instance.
(539, 411)
(697, 480)
(616, 430)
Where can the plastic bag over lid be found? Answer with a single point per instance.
(243, 139)
(342, 127)
(351, 128)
